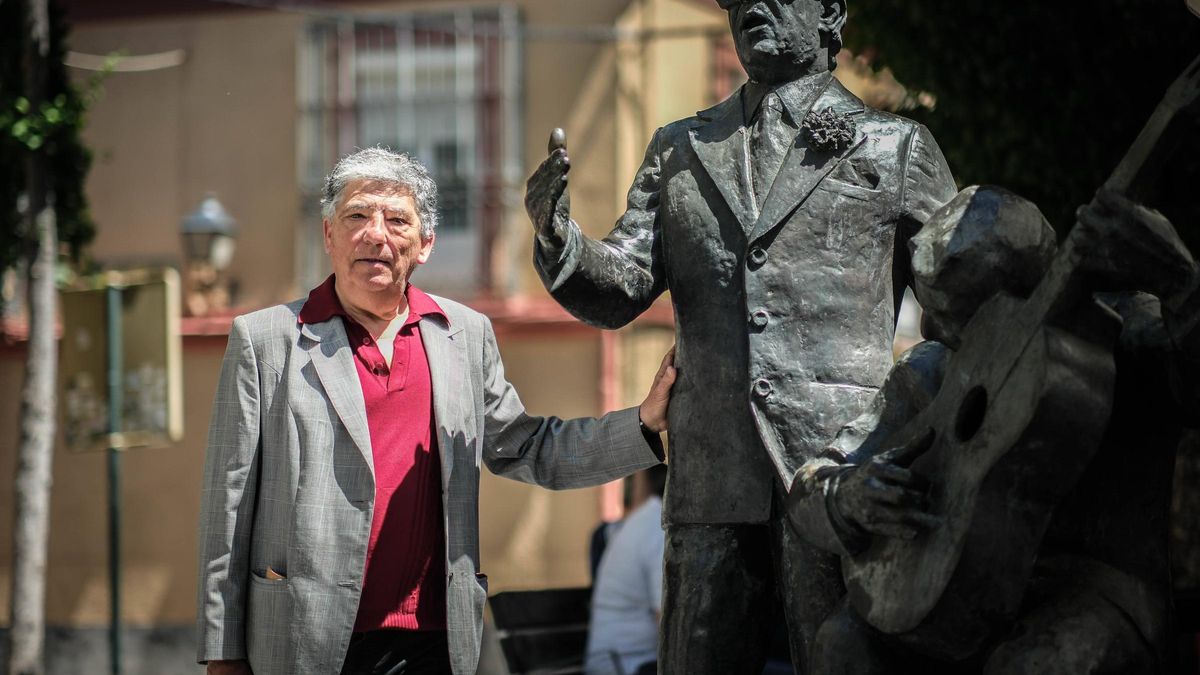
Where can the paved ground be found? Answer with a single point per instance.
(168, 650)
(146, 651)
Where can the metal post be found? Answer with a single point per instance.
(115, 392)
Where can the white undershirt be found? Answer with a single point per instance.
(387, 339)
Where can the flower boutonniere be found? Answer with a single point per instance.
(828, 131)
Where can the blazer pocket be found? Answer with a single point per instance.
(268, 623)
(262, 579)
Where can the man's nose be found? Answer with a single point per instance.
(374, 230)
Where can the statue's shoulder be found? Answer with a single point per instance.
(670, 137)
(909, 142)
(886, 131)
(681, 128)
(882, 121)
(727, 113)
(883, 118)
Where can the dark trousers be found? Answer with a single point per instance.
(398, 652)
(721, 586)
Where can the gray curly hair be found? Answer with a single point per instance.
(384, 165)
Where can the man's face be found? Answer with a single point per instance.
(776, 40)
(374, 238)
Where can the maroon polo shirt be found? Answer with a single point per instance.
(404, 584)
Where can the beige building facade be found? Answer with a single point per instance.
(253, 105)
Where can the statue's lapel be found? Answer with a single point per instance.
(719, 141)
(804, 167)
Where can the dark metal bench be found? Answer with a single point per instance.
(543, 631)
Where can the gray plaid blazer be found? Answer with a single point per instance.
(289, 483)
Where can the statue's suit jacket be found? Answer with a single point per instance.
(785, 313)
(289, 483)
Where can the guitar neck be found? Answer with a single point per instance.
(1066, 282)
(1134, 253)
(1136, 177)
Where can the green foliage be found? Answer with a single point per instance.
(1042, 98)
(53, 129)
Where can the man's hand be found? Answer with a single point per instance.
(653, 410)
(882, 497)
(229, 668)
(546, 198)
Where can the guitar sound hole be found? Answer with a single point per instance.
(971, 414)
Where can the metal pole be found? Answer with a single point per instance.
(115, 392)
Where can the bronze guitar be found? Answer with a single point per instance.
(1019, 416)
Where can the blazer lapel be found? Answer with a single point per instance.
(445, 350)
(720, 143)
(804, 168)
(333, 359)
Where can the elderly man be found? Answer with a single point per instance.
(339, 517)
(778, 219)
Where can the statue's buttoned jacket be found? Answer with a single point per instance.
(784, 311)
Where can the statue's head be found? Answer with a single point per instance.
(780, 40)
(983, 241)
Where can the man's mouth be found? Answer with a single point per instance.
(373, 261)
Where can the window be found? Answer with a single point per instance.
(443, 87)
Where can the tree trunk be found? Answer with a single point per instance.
(32, 527)
(34, 454)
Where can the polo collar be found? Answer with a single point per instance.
(323, 304)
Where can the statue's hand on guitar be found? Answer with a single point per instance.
(883, 497)
(1125, 245)
(1171, 274)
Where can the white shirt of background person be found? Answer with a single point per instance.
(627, 597)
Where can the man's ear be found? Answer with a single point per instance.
(426, 249)
(833, 16)
(327, 235)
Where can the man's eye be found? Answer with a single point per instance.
(357, 216)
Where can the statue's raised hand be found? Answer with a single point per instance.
(546, 198)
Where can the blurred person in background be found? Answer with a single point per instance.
(607, 529)
(339, 511)
(627, 594)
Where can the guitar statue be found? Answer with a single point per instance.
(1020, 415)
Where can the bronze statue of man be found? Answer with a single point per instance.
(779, 220)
